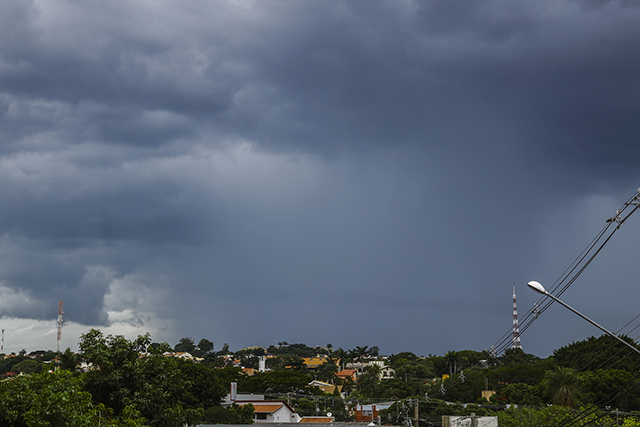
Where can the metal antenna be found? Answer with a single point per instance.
(516, 330)
(60, 313)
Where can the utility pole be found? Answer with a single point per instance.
(474, 420)
(416, 413)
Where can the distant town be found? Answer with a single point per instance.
(142, 383)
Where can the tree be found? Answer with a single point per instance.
(125, 381)
(27, 366)
(225, 350)
(516, 356)
(206, 388)
(367, 384)
(205, 346)
(359, 352)
(69, 361)
(416, 369)
(284, 381)
(342, 356)
(327, 371)
(52, 399)
(452, 361)
(563, 386)
(233, 415)
(603, 352)
(186, 344)
(614, 386)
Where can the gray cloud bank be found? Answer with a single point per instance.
(355, 172)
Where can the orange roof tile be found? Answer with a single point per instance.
(271, 408)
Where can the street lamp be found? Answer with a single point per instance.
(536, 286)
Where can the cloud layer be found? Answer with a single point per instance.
(349, 172)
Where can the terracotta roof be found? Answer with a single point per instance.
(317, 420)
(269, 408)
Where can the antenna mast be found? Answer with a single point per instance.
(60, 313)
(516, 330)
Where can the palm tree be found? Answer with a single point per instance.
(359, 352)
(367, 384)
(69, 360)
(342, 355)
(563, 386)
(452, 360)
(373, 370)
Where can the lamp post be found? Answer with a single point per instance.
(536, 286)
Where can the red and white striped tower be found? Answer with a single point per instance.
(516, 330)
(60, 313)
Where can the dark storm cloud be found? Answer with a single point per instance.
(230, 153)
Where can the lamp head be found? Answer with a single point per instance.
(536, 286)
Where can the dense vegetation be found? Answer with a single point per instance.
(134, 383)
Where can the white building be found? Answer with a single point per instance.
(265, 411)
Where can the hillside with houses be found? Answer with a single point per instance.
(142, 383)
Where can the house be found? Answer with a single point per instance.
(317, 420)
(369, 413)
(315, 362)
(265, 411)
(386, 371)
(250, 371)
(468, 421)
(326, 387)
(347, 374)
(272, 411)
(183, 355)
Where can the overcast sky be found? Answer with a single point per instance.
(345, 172)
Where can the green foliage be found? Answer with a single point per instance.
(551, 416)
(401, 358)
(327, 371)
(7, 363)
(523, 394)
(233, 415)
(27, 366)
(50, 399)
(631, 422)
(205, 346)
(121, 379)
(206, 388)
(611, 386)
(417, 369)
(69, 360)
(431, 411)
(516, 356)
(305, 407)
(284, 381)
(396, 388)
(563, 385)
(367, 385)
(458, 390)
(602, 352)
(286, 349)
(186, 344)
(526, 373)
